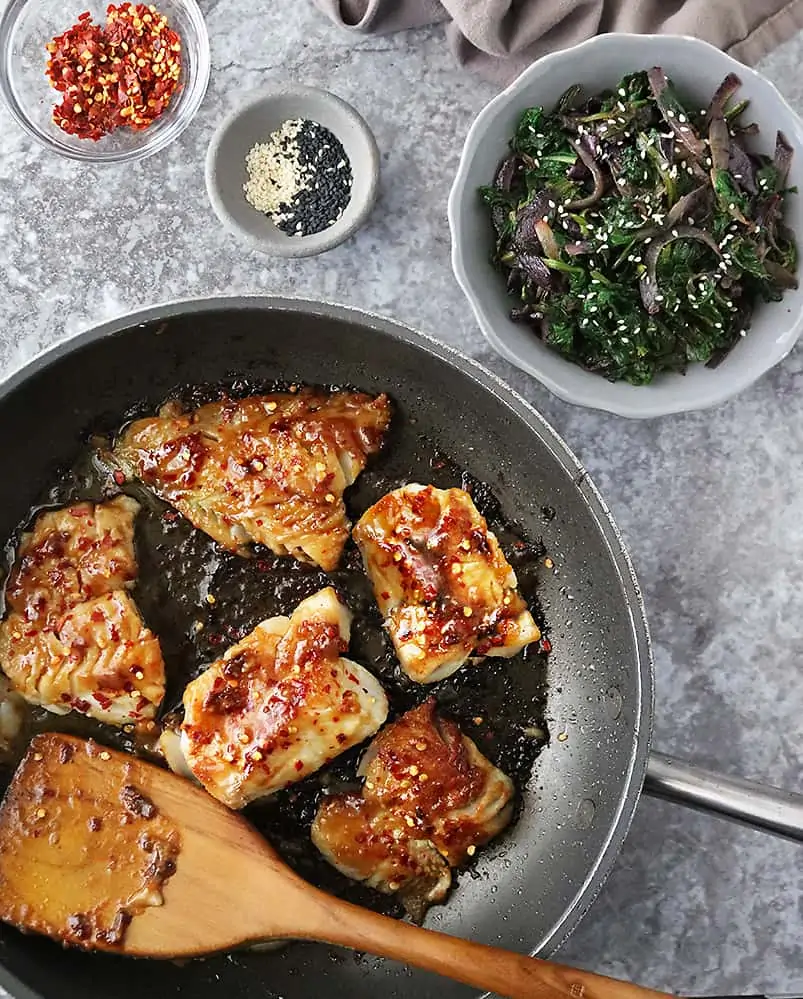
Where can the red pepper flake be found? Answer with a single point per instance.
(299, 765)
(546, 645)
(119, 477)
(123, 73)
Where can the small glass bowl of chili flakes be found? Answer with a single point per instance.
(107, 82)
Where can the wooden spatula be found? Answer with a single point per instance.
(101, 850)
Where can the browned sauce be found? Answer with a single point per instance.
(179, 568)
(80, 859)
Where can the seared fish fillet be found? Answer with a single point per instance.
(444, 587)
(12, 715)
(270, 469)
(278, 705)
(73, 638)
(430, 798)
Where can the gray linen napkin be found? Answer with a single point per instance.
(499, 38)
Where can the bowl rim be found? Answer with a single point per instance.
(347, 224)
(642, 407)
(195, 85)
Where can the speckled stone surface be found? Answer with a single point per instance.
(711, 504)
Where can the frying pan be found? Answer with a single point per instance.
(530, 890)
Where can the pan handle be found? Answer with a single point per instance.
(766, 808)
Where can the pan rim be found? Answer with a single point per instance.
(588, 492)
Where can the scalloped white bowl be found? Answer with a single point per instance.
(698, 68)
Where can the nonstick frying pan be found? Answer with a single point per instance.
(529, 890)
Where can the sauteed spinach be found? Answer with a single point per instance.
(638, 231)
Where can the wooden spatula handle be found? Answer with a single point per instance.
(488, 968)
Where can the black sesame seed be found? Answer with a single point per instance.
(325, 198)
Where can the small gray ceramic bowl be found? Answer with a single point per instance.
(698, 69)
(253, 122)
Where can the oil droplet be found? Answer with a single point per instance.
(585, 813)
(612, 701)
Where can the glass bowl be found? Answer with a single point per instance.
(27, 26)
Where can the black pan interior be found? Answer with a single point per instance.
(449, 429)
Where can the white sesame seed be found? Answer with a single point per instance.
(275, 174)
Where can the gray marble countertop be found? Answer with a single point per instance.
(710, 503)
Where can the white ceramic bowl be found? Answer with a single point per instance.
(698, 68)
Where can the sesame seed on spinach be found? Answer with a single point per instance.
(638, 231)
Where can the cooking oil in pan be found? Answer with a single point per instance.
(199, 599)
